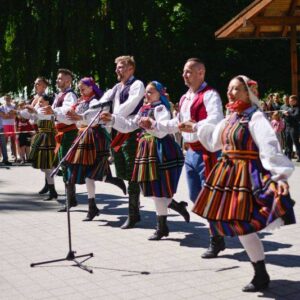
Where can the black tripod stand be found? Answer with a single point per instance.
(71, 254)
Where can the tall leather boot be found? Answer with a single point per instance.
(52, 193)
(133, 211)
(217, 244)
(118, 182)
(45, 189)
(260, 280)
(161, 230)
(71, 197)
(180, 207)
(93, 210)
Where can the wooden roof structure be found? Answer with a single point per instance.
(268, 19)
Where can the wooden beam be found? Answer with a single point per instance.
(294, 60)
(257, 31)
(237, 22)
(276, 21)
(291, 12)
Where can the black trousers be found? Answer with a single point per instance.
(292, 138)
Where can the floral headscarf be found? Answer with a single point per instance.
(252, 88)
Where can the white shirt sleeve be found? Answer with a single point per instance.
(168, 126)
(161, 113)
(60, 112)
(270, 152)
(213, 106)
(136, 93)
(124, 125)
(210, 135)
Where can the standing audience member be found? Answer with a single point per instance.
(276, 102)
(292, 117)
(284, 107)
(24, 129)
(9, 124)
(278, 125)
(3, 140)
(269, 102)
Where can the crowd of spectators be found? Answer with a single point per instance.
(284, 116)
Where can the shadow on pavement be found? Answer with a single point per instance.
(281, 290)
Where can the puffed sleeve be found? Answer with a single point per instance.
(270, 152)
(161, 113)
(168, 126)
(209, 135)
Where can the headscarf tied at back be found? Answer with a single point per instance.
(252, 88)
(89, 81)
(162, 92)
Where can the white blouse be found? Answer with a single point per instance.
(265, 138)
(125, 125)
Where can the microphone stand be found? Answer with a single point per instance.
(71, 254)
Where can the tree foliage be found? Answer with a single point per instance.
(40, 36)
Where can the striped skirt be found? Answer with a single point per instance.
(239, 196)
(43, 145)
(89, 159)
(158, 165)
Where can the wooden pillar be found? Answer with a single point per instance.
(294, 60)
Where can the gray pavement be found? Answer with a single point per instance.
(125, 264)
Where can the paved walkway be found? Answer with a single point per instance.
(125, 264)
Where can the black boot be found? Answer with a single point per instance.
(181, 209)
(45, 189)
(133, 211)
(260, 280)
(118, 182)
(71, 197)
(93, 210)
(162, 229)
(217, 244)
(52, 193)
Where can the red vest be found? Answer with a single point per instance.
(198, 111)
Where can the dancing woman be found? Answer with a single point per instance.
(88, 162)
(159, 159)
(43, 143)
(247, 190)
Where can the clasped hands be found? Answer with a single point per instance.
(187, 126)
(73, 116)
(144, 122)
